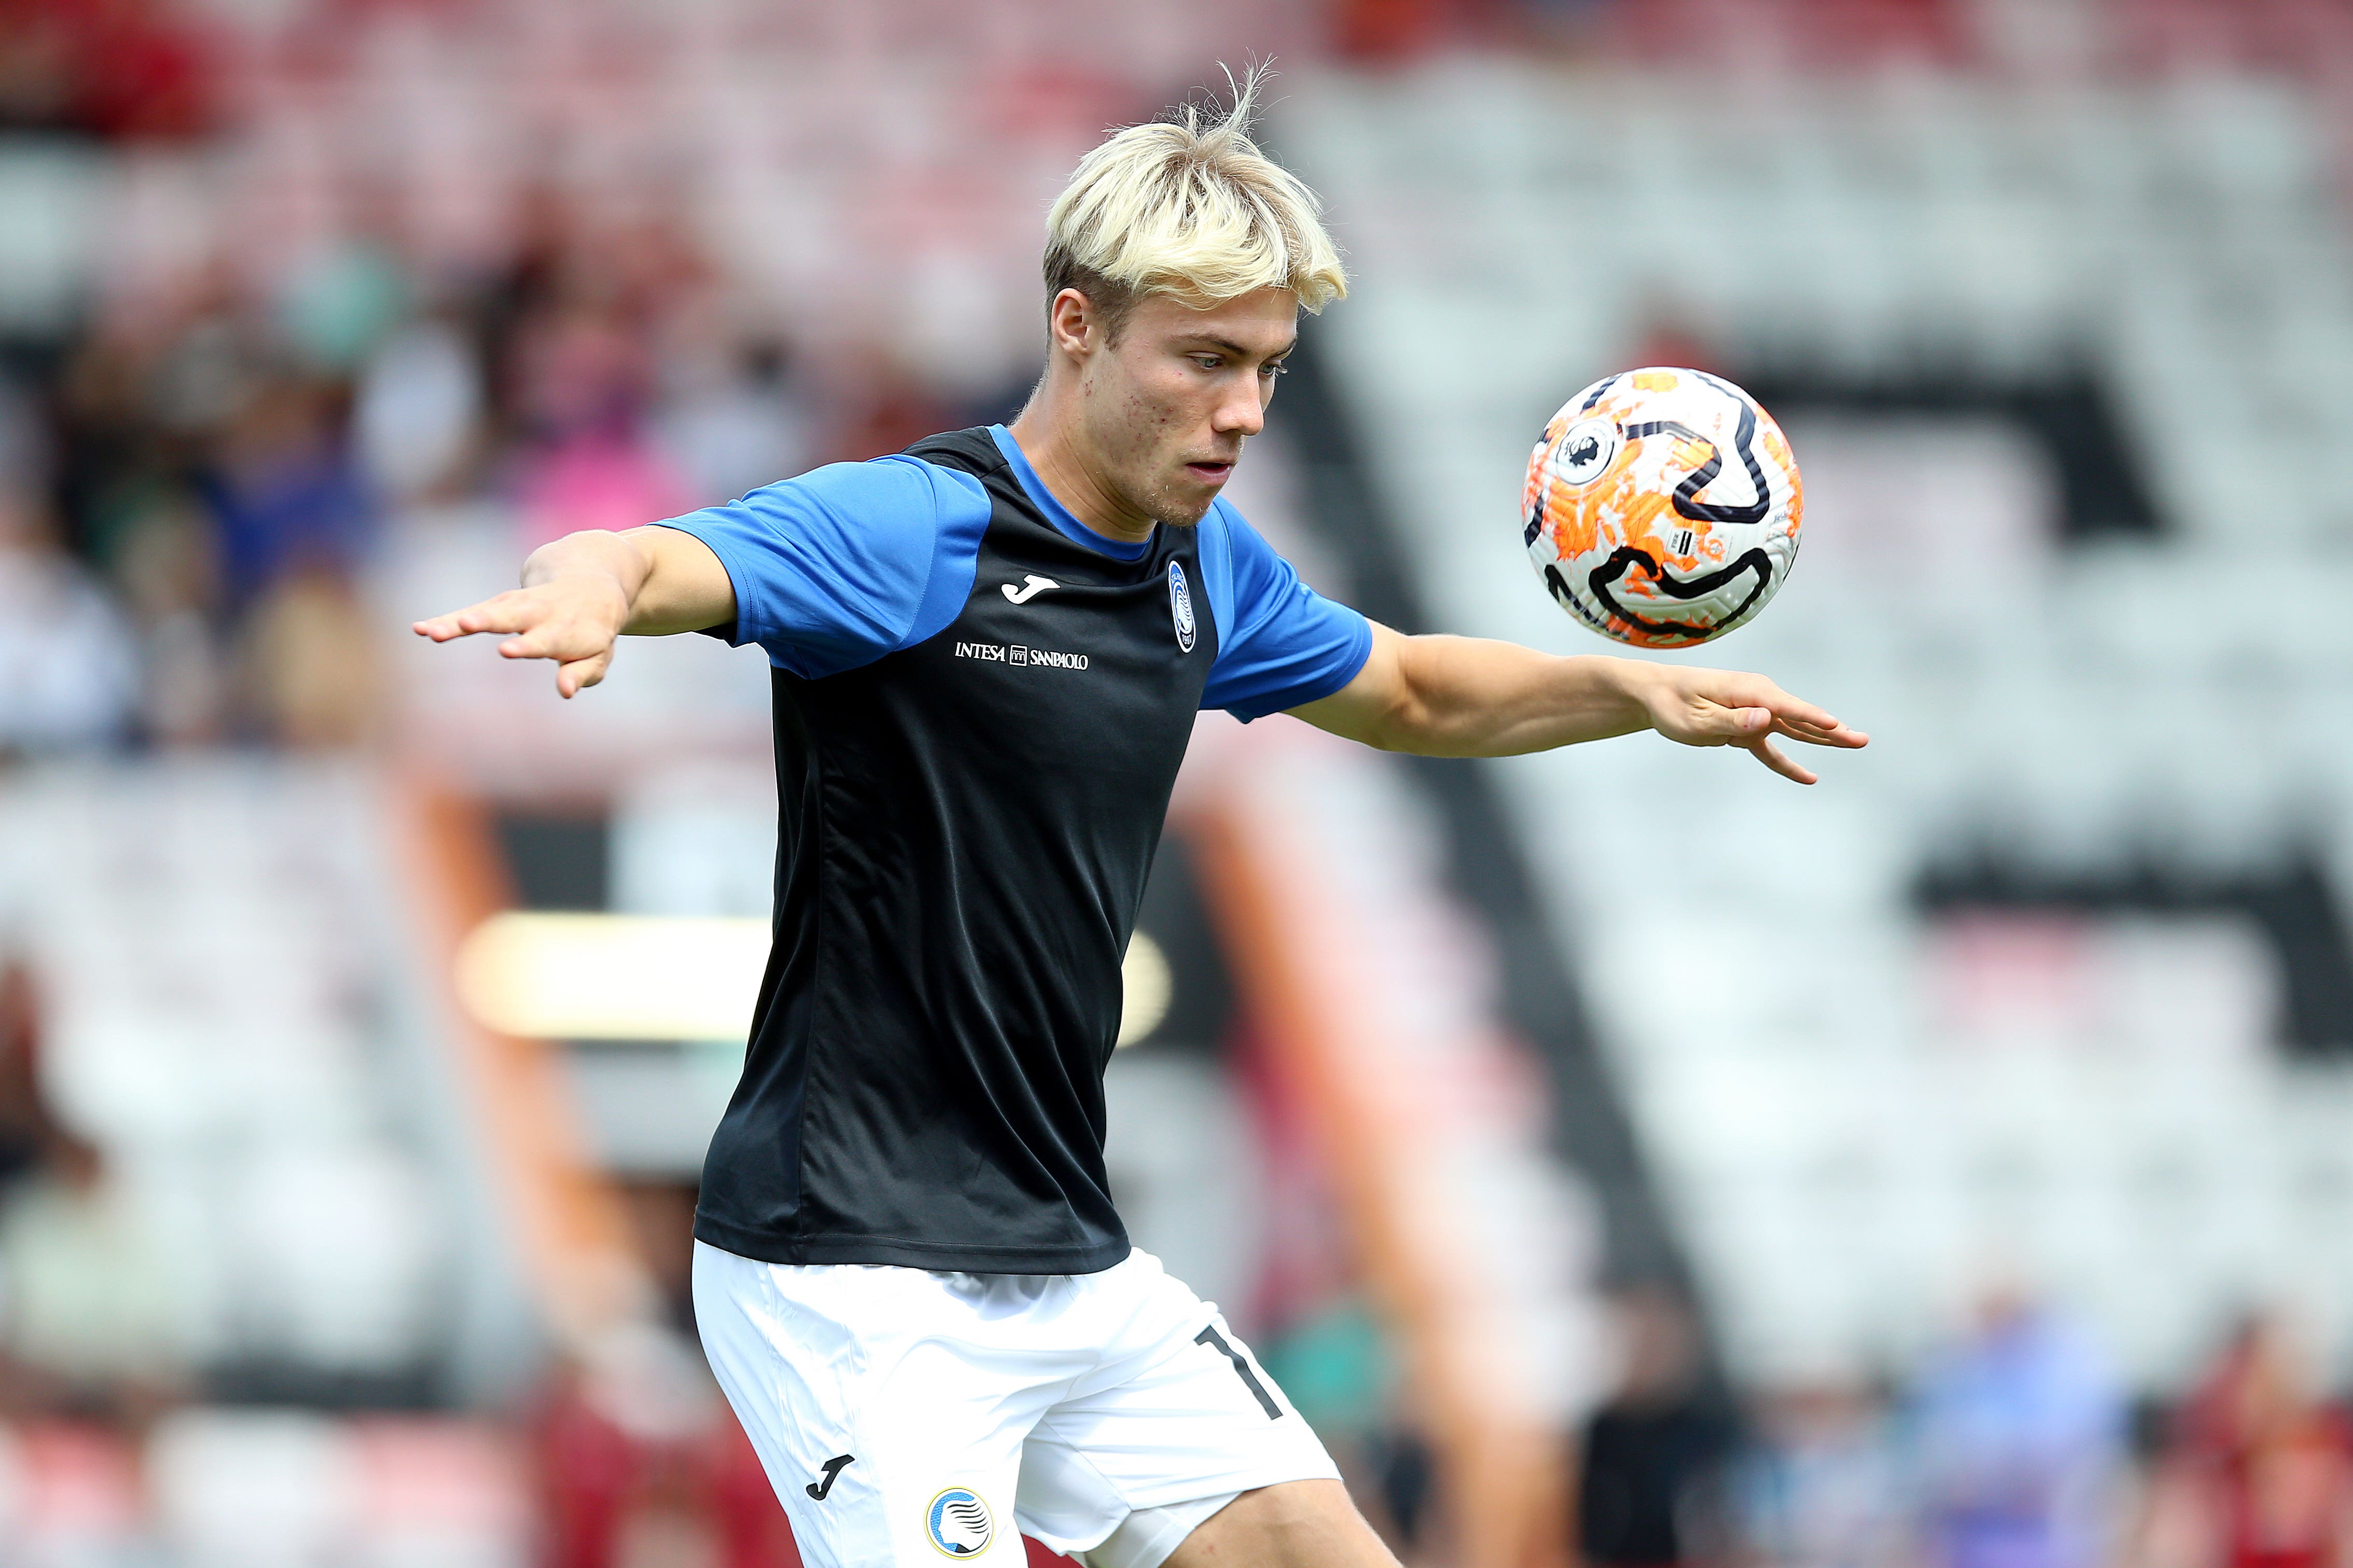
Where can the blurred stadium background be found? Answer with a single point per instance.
(1621, 1156)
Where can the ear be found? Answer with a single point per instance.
(1072, 324)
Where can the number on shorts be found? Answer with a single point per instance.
(1217, 1341)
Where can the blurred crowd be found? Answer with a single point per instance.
(2015, 1446)
(194, 477)
(191, 488)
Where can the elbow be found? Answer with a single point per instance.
(1410, 712)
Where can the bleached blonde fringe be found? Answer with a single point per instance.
(1190, 206)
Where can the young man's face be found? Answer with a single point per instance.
(1168, 404)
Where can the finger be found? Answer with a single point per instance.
(1710, 723)
(1766, 752)
(507, 613)
(441, 628)
(559, 640)
(1838, 735)
(1790, 710)
(1795, 726)
(563, 641)
(577, 675)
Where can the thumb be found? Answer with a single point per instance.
(1752, 720)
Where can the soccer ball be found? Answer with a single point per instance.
(1661, 507)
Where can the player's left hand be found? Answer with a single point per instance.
(1728, 708)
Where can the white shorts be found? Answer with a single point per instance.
(904, 1415)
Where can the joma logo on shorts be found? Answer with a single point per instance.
(999, 653)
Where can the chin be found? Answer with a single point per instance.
(1183, 509)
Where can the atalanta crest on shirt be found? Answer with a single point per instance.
(1180, 605)
(959, 1523)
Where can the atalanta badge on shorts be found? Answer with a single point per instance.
(1180, 605)
(959, 1522)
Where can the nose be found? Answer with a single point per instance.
(1242, 409)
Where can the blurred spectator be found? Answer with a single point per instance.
(294, 521)
(283, 487)
(583, 380)
(887, 408)
(88, 1322)
(735, 419)
(642, 1463)
(1823, 1488)
(1655, 1456)
(89, 1319)
(420, 410)
(120, 399)
(2019, 1433)
(167, 565)
(338, 306)
(574, 337)
(2259, 1474)
(110, 67)
(310, 662)
(24, 1114)
(68, 675)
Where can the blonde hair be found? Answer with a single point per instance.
(1189, 205)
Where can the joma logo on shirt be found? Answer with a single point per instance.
(999, 653)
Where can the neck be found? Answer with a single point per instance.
(1052, 438)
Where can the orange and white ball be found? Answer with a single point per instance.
(1662, 506)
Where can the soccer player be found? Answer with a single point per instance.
(987, 652)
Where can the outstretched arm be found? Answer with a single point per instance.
(583, 590)
(1468, 697)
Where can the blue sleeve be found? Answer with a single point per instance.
(1280, 642)
(847, 563)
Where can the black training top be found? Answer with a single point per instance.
(980, 709)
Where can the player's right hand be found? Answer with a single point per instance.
(572, 620)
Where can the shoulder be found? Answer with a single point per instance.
(898, 487)
(972, 451)
(898, 529)
(1229, 543)
(1280, 642)
(1246, 571)
(1220, 523)
(835, 567)
(1245, 549)
(887, 516)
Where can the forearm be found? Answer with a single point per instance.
(1469, 697)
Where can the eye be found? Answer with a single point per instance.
(1273, 368)
(1208, 362)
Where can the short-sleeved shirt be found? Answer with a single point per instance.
(980, 708)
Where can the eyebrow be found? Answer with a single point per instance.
(1233, 348)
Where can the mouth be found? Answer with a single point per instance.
(1211, 473)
